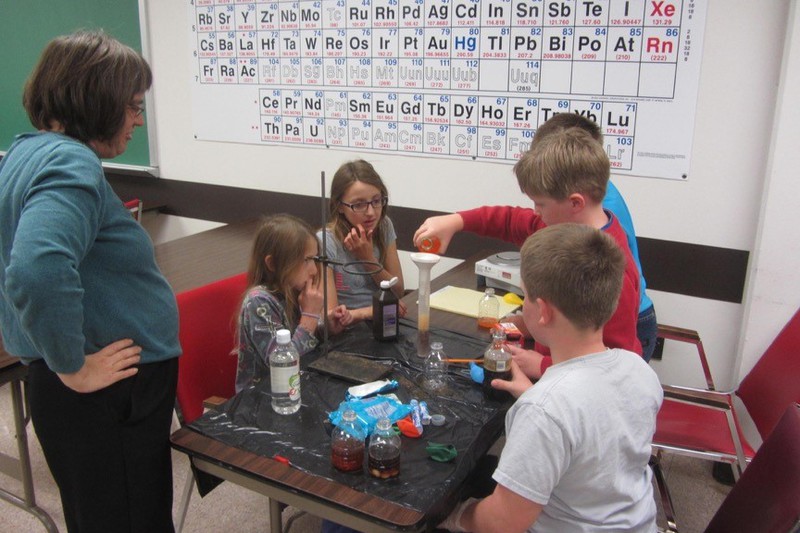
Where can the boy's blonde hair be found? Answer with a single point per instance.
(563, 163)
(576, 268)
(565, 121)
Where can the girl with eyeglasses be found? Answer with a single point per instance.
(360, 230)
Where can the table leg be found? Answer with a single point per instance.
(28, 503)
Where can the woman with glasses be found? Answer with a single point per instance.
(82, 301)
(360, 230)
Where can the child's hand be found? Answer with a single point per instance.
(310, 298)
(359, 243)
(443, 227)
(401, 308)
(519, 382)
(339, 318)
(529, 361)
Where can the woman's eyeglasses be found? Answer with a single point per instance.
(360, 207)
(138, 109)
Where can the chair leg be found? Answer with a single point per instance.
(290, 521)
(663, 490)
(185, 497)
(275, 516)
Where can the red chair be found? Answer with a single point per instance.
(766, 499)
(207, 367)
(135, 207)
(705, 424)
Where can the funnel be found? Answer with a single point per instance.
(424, 262)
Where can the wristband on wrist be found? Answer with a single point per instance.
(312, 315)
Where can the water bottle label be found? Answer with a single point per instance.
(285, 380)
(502, 366)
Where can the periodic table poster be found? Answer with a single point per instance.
(465, 79)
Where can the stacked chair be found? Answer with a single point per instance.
(705, 423)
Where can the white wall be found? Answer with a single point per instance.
(774, 290)
(720, 204)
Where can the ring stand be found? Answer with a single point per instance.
(357, 268)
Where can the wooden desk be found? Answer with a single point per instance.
(464, 276)
(207, 256)
(12, 371)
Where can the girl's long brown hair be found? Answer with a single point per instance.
(284, 237)
(346, 175)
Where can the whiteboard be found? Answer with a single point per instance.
(466, 79)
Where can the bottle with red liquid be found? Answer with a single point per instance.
(430, 245)
(488, 309)
(347, 443)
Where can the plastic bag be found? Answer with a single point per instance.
(370, 410)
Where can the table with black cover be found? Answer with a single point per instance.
(238, 441)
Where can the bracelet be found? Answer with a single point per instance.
(312, 315)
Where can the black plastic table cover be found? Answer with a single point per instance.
(473, 423)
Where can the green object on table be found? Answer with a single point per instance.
(441, 452)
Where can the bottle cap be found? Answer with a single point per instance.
(284, 336)
(437, 420)
(436, 345)
(388, 283)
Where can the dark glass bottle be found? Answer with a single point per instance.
(385, 312)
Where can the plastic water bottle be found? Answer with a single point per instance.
(434, 368)
(488, 309)
(496, 365)
(284, 370)
(347, 443)
(384, 451)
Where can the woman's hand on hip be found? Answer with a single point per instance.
(113, 363)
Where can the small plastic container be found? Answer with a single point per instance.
(430, 245)
(513, 334)
(438, 420)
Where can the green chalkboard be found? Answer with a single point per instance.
(25, 28)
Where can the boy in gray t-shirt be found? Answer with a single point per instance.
(577, 442)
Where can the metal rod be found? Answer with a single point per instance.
(324, 255)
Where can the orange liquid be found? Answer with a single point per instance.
(430, 245)
(487, 322)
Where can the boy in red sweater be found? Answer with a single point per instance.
(565, 175)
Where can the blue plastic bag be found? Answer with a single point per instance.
(370, 410)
